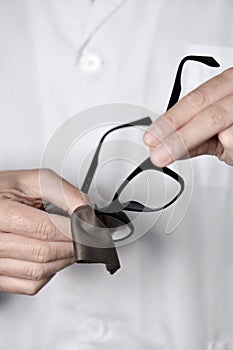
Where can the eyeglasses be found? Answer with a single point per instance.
(113, 215)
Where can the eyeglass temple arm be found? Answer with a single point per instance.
(207, 60)
(94, 163)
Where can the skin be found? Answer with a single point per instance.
(34, 245)
(200, 123)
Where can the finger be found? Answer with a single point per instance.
(201, 128)
(31, 270)
(226, 140)
(21, 286)
(20, 219)
(46, 184)
(191, 104)
(22, 248)
(211, 147)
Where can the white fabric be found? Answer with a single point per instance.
(173, 292)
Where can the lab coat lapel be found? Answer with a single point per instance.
(102, 11)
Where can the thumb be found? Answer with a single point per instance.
(50, 187)
(211, 147)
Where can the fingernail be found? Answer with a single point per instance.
(160, 156)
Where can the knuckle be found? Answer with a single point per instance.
(215, 115)
(45, 176)
(197, 98)
(72, 260)
(32, 289)
(226, 139)
(35, 272)
(44, 253)
(169, 118)
(47, 172)
(45, 230)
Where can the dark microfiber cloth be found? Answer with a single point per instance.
(93, 242)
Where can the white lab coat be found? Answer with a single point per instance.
(59, 57)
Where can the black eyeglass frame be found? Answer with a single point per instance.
(115, 210)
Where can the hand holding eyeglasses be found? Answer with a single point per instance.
(114, 214)
(200, 123)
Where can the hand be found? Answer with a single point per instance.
(200, 123)
(33, 246)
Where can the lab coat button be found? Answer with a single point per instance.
(95, 329)
(90, 63)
